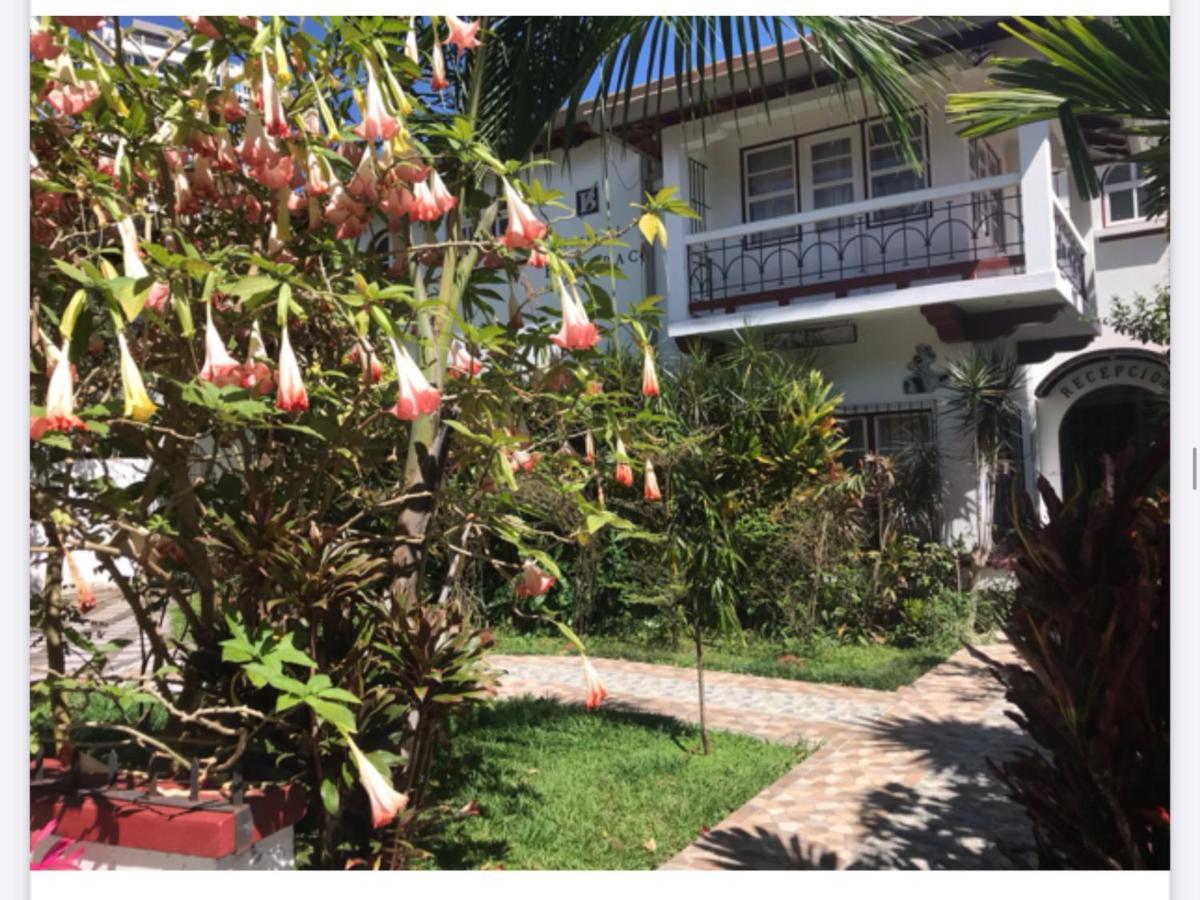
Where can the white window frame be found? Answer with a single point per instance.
(808, 184)
(765, 237)
(901, 212)
(1133, 185)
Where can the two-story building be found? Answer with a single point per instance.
(817, 233)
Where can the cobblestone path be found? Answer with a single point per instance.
(900, 779)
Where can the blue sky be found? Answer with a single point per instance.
(643, 69)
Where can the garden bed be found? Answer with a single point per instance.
(561, 788)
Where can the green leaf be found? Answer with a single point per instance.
(333, 713)
(71, 272)
(286, 651)
(249, 286)
(329, 796)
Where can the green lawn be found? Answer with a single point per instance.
(561, 788)
(871, 666)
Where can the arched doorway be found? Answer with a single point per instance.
(1103, 422)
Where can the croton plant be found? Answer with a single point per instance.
(302, 351)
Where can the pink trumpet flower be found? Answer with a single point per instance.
(624, 473)
(372, 368)
(80, 23)
(438, 80)
(320, 176)
(462, 34)
(423, 207)
(364, 185)
(378, 123)
(157, 297)
(291, 396)
(537, 258)
(523, 226)
(41, 43)
(577, 333)
(650, 491)
(533, 581)
(202, 25)
(649, 373)
(60, 400)
(386, 801)
(84, 598)
(72, 99)
(219, 367)
(231, 107)
(462, 363)
(276, 121)
(523, 461)
(254, 149)
(589, 448)
(416, 396)
(442, 197)
(255, 373)
(596, 694)
(56, 858)
(185, 201)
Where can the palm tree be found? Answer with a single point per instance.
(1104, 82)
(542, 66)
(985, 389)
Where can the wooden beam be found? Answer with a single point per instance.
(954, 326)
(1029, 352)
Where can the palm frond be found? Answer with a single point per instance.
(1086, 70)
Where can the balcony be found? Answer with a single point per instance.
(978, 258)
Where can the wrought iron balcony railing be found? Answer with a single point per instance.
(1071, 255)
(963, 230)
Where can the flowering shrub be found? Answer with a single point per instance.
(323, 426)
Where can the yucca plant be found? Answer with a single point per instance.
(1091, 625)
(985, 388)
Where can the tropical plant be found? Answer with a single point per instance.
(985, 392)
(305, 525)
(1103, 82)
(743, 430)
(1093, 688)
(1146, 320)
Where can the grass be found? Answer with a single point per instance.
(871, 666)
(561, 788)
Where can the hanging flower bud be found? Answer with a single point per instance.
(276, 121)
(589, 448)
(462, 363)
(138, 404)
(157, 297)
(319, 174)
(624, 473)
(523, 461)
(650, 491)
(410, 43)
(254, 149)
(462, 34)
(386, 801)
(291, 396)
(523, 226)
(438, 80)
(577, 333)
(515, 322)
(533, 581)
(378, 122)
(416, 396)
(442, 197)
(219, 367)
(60, 399)
(185, 202)
(537, 259)
(649, 373)
(596, 694)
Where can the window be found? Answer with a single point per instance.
(889, 173)
(885, 433)
(770, 188)
(832, 172)
(698, 194)
(1124, 193)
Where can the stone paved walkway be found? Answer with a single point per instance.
(900, 779)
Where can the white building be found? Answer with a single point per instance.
(815, 231)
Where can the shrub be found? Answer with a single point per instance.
(1090, 623)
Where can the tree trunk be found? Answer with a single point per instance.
(56, 657)
(700, 682)
(426, 460)
(811, 623)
